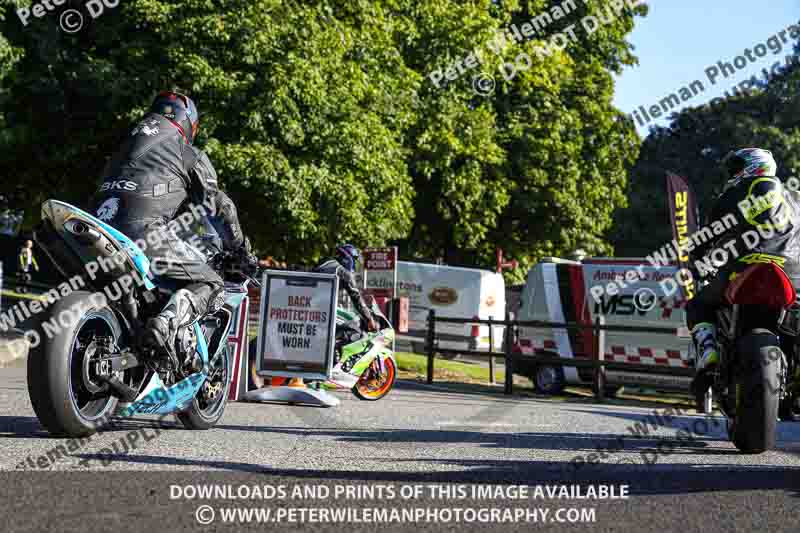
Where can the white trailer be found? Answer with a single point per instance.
(451, 292)
(628, 292)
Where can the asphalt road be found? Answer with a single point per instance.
(417, 439)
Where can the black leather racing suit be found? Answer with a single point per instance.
(347, 281)
(218, 232)
(768, 224)
(156, 187)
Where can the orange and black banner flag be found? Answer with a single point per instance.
(683, 214)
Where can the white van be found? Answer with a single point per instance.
(558, 290)
(451, 292)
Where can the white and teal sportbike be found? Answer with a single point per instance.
(87, 360)
(363, 362)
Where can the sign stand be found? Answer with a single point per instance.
(296, 335)
(292, 395)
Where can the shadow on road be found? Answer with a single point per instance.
(577, 442)
(478, 391)
(664, 478)
(460, 390)
(21, 427)
(29, 427)
(656, 415)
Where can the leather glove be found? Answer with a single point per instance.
(372, 325)
(249, 262)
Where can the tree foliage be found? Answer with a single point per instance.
(539, 167)
(323, 122)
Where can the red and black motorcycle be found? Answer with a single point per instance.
(758, 332)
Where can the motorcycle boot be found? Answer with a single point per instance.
(704, 336)
(161, 330)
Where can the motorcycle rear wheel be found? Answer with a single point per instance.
(62, 389)
(756, 389)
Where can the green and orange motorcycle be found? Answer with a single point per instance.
(363, 361)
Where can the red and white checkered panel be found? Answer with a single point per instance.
(622, 354)
(646, 356)
(668, 304)
(531, 346)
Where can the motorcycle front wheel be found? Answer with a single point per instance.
(374, 384)
(209, 403)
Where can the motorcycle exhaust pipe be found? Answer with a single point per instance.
(99, 246)
(82, 232)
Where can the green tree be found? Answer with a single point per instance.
(538, 167)
(324, 123)
(303, 111)
(9, 56)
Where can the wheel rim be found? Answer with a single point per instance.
(211, 396)
(85, 391)
(547, 377)
(384, 381)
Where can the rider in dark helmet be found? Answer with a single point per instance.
(343, 264)
(180, 109)
(156, 176)
(760, 203)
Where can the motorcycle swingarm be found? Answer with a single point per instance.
(104, 366)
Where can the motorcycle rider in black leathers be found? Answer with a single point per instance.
(156, 176)
(767, 230)
(343, 264)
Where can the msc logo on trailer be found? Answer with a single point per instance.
(625, 304)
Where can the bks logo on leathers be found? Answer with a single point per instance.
(119, 185)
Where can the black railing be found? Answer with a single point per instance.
(597, 360)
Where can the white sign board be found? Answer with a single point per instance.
(297, 326)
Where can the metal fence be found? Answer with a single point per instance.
(596, 361)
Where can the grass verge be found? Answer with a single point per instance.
(446, 370)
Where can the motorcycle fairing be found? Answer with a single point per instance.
(343, 315)
(357, 357)
(59, 213)
(361, 366)
(160, 400)
(234, 299)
